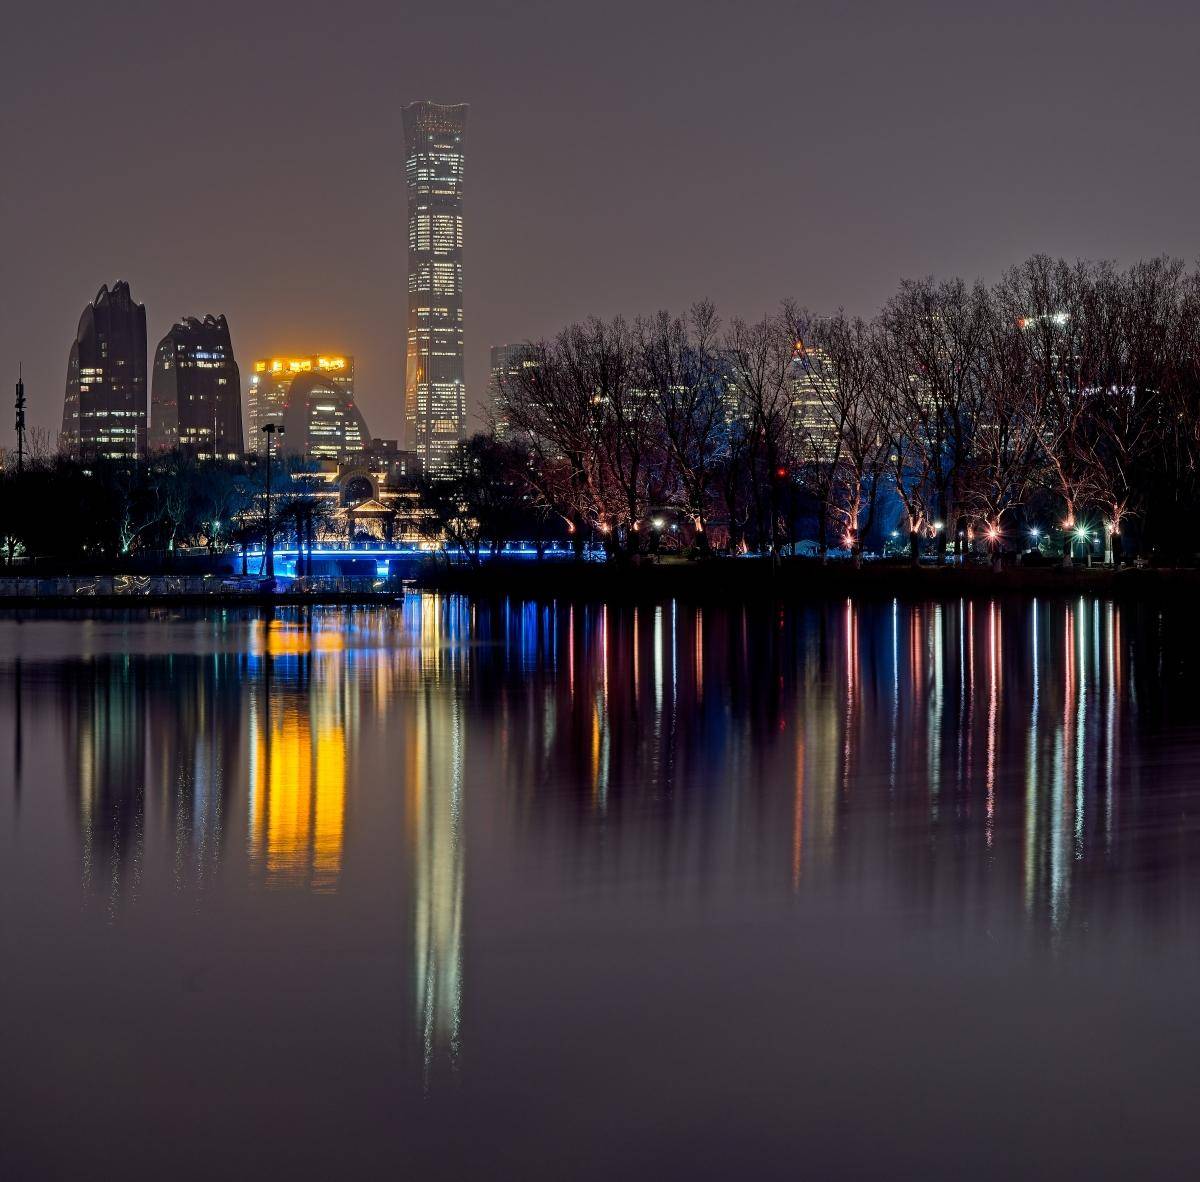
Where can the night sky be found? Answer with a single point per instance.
(248, 159)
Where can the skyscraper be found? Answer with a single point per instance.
(320, 420)
(104, 410)
(196, 391)
(435, 390)
(272, 379)
(508, 362)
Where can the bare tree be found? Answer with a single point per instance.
(760, 359)
(839, 368)
(680, 368)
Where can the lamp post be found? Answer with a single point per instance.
(270, 430)
(1084, 537)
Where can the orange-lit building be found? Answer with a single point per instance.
(272, 379)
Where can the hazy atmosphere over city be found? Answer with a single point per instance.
(599, 592)
(247, 159)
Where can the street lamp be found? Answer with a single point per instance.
(1083, 534)
(270, 430)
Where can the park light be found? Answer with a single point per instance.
(1081, 532)
(993, 532)
(939, 526)
(1035, 533)
(658, 523)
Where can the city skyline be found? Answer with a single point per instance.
(936, 156)
(435, 378)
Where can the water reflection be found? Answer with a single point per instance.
(297, 714)
(1021, 765)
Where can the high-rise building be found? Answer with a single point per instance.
(320, 420)
(104, 411)
(273, 377)
(196, 391)
(814, 397)
(435, 391)
(508, 363)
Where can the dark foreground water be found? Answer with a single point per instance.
(454, 891)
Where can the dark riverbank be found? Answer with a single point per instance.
(751, 579)
(718, 580)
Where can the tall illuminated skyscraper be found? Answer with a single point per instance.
(104, 410)
(196, 391)
(435, 391)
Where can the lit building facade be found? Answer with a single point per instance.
(320, 420)
(196, 391)
(435, 388)
(104, 410)
(814, 397)
(272, 379)
(508, 363)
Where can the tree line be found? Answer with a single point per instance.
(103, 514)
(1061, 402)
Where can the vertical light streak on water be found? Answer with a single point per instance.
(658, 668)
(600, 734)
(970, 724)
(798, 809)
(1110, 722)
(256, 774)
(895, 691)
(438, 866)
(1031, 774)
(993, 702)
(674, 660)
(1059, 879)
(1081, 727)
(1059, 836)
(851, 629)
(934, 716)
(962, 690)
(636, 677)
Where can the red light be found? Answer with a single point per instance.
(781, 472)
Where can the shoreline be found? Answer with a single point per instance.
(724, 580)
(720, 580)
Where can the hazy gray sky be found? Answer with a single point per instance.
(248, 159)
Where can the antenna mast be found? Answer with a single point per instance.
(20, 405)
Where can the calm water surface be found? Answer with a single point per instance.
(555, 892)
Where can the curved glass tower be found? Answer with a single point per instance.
(196, 391)
(435, 390)
(104, 410)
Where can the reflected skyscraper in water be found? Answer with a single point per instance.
(298, 757)
(103, 708)
(434, 806)
(793, 746)
(1009, 767)
(196, 747)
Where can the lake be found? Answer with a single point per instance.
(564, 891)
